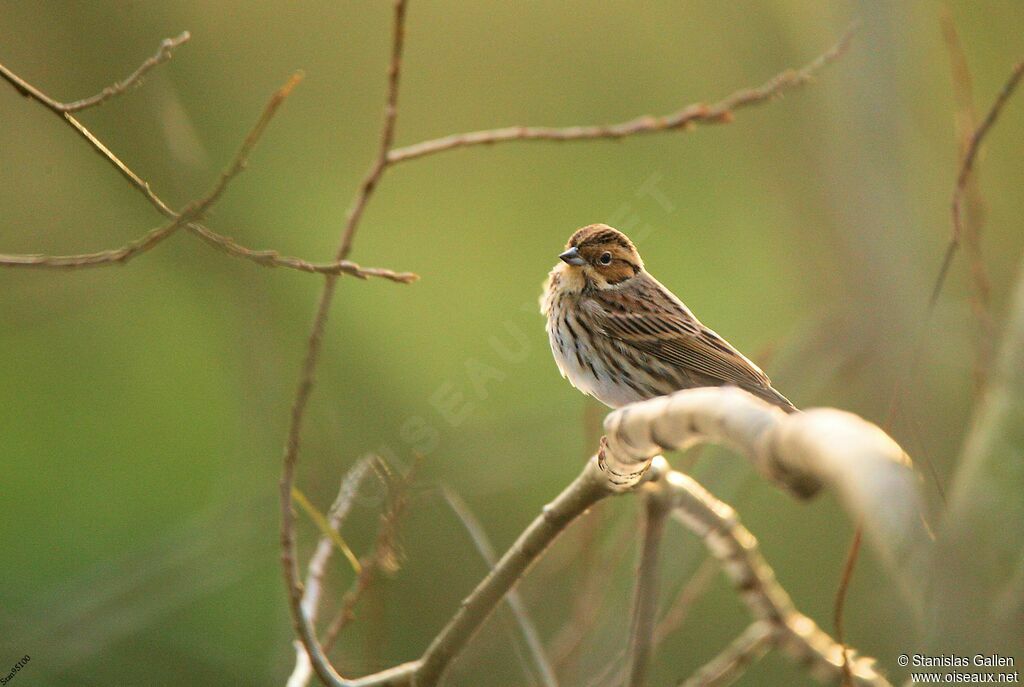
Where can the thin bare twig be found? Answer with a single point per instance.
(317, 568)
(677, 613)
(191, 213)
(682, 119)
(271, 258)
(100, 258)
(657, 506)
(515, 602)
(590, 487)
(839, 605)
(966, 122)
(723, 670)
(382, 556)
(151, 239)
(167, 47)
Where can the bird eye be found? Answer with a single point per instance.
(605, 259)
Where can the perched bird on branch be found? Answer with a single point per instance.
(620, 336)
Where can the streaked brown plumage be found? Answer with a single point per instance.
(620, 336)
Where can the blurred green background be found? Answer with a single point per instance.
(143, 409)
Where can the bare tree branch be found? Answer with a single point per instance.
(740, 559)
(191, 213)
(121, 255)
(680, 120)
(303, 627)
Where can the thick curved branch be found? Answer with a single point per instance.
(716, 523)
(681, 120)
(871, 474)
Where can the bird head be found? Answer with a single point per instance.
(603, 256)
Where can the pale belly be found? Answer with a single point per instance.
(589, 374)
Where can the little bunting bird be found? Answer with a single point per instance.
(620, 336)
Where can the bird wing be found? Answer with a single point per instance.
(656, 323)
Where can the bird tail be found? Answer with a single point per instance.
(774, 397)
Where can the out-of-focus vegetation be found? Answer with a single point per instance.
(143, 409)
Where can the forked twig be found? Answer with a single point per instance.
(167, 47)
(318, 562)
(193, 212)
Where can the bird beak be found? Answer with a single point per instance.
(572, 257)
